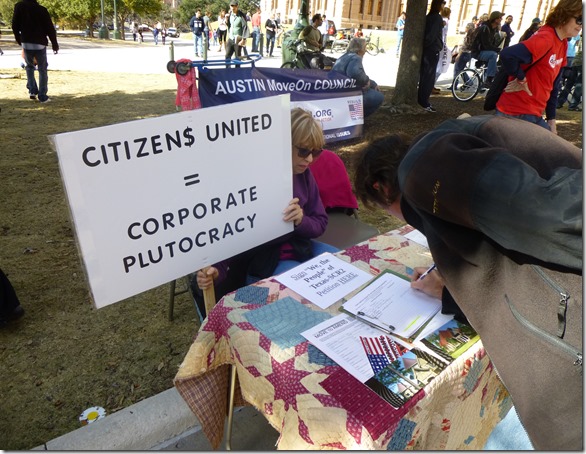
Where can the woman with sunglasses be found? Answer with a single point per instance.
(534, 67)
(305, 211)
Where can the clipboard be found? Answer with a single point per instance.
(389, 304)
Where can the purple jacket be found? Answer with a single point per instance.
(313, 224)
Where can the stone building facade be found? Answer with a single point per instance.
(383, 14)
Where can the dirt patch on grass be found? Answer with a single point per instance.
(64, 356)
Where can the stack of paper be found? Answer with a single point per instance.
(391, 304)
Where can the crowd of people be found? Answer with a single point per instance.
(488, 40)
(232, 32)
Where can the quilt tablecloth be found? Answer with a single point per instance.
(311, 401)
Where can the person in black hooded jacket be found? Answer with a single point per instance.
(31, 25)
(500, 202)
(432, 45)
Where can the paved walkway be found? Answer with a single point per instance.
(148, 58)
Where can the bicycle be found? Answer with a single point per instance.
(371, 48)
(306, 59)
(469, 82)
(341, 44)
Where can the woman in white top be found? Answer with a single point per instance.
(222, 30)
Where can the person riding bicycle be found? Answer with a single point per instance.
(489, 41)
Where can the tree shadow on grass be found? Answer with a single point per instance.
(64, 356)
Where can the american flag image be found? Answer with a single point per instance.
(381, 351)
(355, 108)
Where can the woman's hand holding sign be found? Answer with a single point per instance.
(206, 276)
(293, 212)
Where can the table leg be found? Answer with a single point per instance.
(231, 407)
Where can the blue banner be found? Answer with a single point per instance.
(333, 98)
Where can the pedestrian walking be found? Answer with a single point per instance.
(196, 25)
(31, 25)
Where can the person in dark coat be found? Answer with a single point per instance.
(432, 45)
(31, 25)
(10, 308)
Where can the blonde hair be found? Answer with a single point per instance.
(306, 132)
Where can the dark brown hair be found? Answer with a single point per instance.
(436, 6)
(376, 180)
(563, 12)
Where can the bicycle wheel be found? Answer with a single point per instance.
(466, 85)
(289, 65)
(372, 49)
(340, 46)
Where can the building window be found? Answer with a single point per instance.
(379, 8)
(361, 10)
(370, 6)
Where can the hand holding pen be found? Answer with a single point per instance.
(428, 280)
(429, 270)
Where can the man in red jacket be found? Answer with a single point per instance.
(31, 24)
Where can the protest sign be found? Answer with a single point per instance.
(153, 200)
(324, 279)
(333, 98)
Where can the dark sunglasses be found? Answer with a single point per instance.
(304, 152)
(578, 20)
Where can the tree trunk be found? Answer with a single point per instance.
(410, 59)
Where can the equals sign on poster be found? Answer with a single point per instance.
(191, 179)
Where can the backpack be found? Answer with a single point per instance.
(332, 28)
(475, 48)
(245, 30)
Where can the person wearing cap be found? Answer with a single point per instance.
(490, 40)
(534, 67)
(506, 28)
(535, 24)
(236, 23)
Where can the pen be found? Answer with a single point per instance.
(374, 325)
(429, 270)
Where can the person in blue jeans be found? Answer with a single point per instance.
(305, 211)
(350, 64)
(400, 30)
(464, 51)
(196, 24)
(489, 44)
(31, 25)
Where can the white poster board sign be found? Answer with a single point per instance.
(153, 200)
(324, 279)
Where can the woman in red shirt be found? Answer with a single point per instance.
(534, 67)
